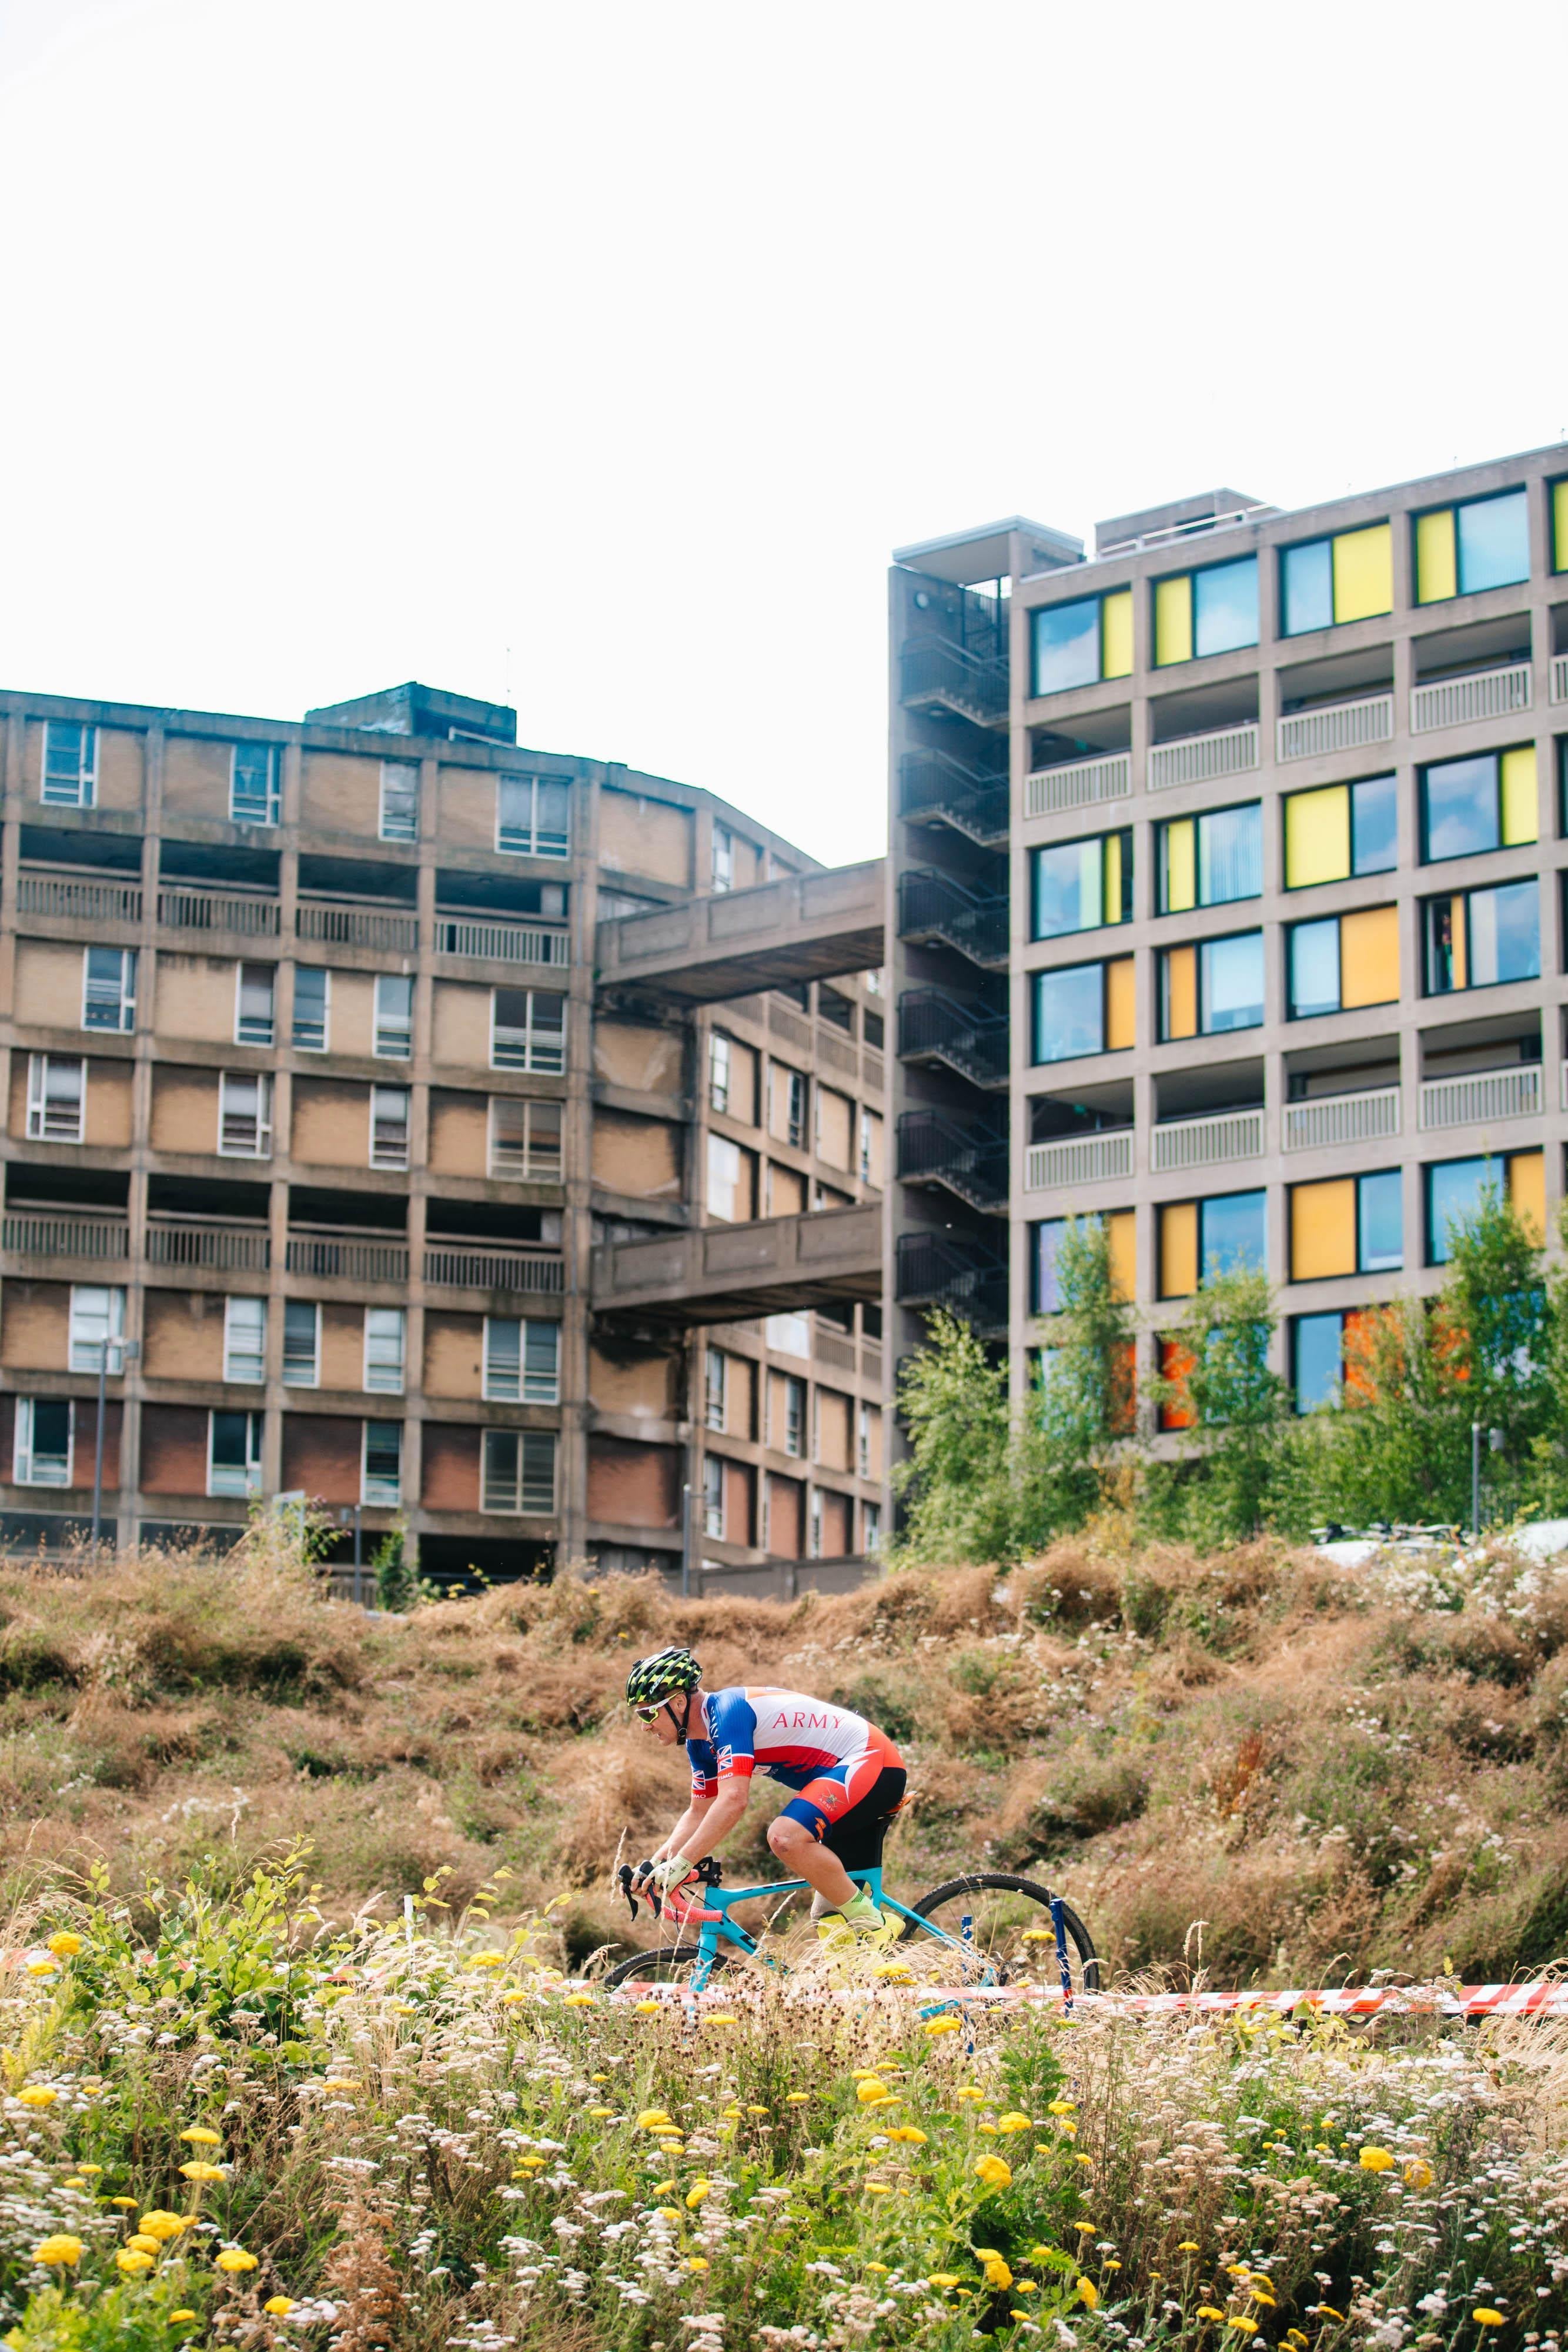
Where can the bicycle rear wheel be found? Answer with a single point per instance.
(666, 1963)
(1003, 1933)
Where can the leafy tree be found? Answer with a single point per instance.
(1240, 1422)
(1083, 1417)
(956, 1482)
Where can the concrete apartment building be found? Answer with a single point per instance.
(382, 1102)
(1224, 899)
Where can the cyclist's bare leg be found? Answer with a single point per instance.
(802, 1857)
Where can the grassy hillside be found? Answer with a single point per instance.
(1333, 1771)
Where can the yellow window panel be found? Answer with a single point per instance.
(1110, 903)
(1527, 1192)
(1437, 568)
(1179, 1249)
(1317, 836)
(1173, 620)
(1181, 866)
(1560, 525)
(1322, 1228)
(1364, 573)
(1122, 1233)
(1116, 635)
(1520, 813)
(1121, 1019)
(1181, 991)
(1459, 950)
(1369, 957)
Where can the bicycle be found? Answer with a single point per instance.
(989, 1927)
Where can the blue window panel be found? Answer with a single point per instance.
(1229, 856)
(1505, 934)
(1066, 889)
(1493, 537)
(1375, 826)
(1230, 982)
(1314, 969)
(1454, 1189)
(1380, 1224)
(1069, 1008)
(1066, 646)
(1225, 607)
(1318, 1351)
(1045, 1293)
(1306, 581)
(1458, 802)
(1231, 1233)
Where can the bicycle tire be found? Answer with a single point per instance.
(1006, 1883)
(650, 1967)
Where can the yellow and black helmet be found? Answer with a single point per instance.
(661, 1677)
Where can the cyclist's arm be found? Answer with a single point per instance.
(686, 1827)
(709, 1820)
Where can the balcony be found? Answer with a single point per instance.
(937, 1028)
(509, 1270)
(934, 673)
(337, 925)
(1200, 759)
(219, 1249)
(1336, 727)
(935, 790)
(1328, 1120)
(1482, 1096)
(67, 900)
(242, 917)
(24, 1235)
(1209, 1142)
(1079, 783)
(1079, 1159)
(332, 1257)
(1483, 694)
(964, 1277)
(1558, 688)
(967, 1157)
(935, 910)
(500, 942)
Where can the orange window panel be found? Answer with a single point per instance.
(1176, 1364)
(1322, 1228)
(1121, 1017)
(1369, 957)
(1527, 1192)
(1124, 1389)
(1181, 991)
(1179, 1249)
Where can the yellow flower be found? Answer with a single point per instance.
(797, 2098)
(1261, 2294)
(279, 2305)
(876, 2188)
(990, 2129)
(1088, 2294)
(697, 2195)
(1081, 2158)
(125, 2201)
(510, 1998)
(92, 2168)
(1116, 2266)
(339, 2083)
(943, 2278)
(73, 2181)
(994, 2172)
(37, 2095)
(944, 2025)
(1190, 2246)
(696, 2261)
(756, 2111)
(1207, 2311)
(486, 1959)
(581, 2000)
(1484, 2317)
(655, 2119)
(909, 2134)
(235, 2258)
(670, 2212)
(199, 2136)
(531, 2164)
(64, 1945)
(1417, 2172)
(180, 2315)
(143, 2243)
(1247, 2326)
(663, 2188)
(1376, 2159)
(1327, 2310)
(648, 2007)
(997, 2274)
(871, 2093)
(1013, 2121)
(721, 2017)
(1063, 2106)
(60, 2254)
(600, 2114)
(200, 2169)
(132, 2260)
(896, 1973)
(968, 2091)
(1297, 2335)
(41, 1968)
(1026, 2286)
(1082, 2227)
(160, 2225)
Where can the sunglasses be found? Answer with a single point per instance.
(649, 1714)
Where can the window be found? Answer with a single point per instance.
(1214, 611)
(1198, 1239)
(1340, 830)
(381, 1471)
(70, 778)
(400, 799)
(1352, 1225)
(312, 999)
(109, 989)
(97, 1322)
(1045, 1246)
(56, 1098)
(1080, 885)
(717, 1071)
(384, 1351)
(301, 1343)
(1478, 938)
(1081, 643)
(395, 1016)
(788, 1335)
(1482, 543)
(865, 1161)
(722, 864)
(1328, 1353)
(244, 1340)
(725, 1172)
(1342, 962)
(525, 1137)
(1210, 860)
(1213, 987)
(1083, 1008)
(234, 1454)
(1454, 1191)
(1326, 581)
(794, 1415)
(716, 1388)
(862, 1442)
(253, 785)
(1469, 806)
(254, 1005)
(713, 1497)
(532, 816)
(518, 1471)
(814, 1523)
(389, 1127)
(871, 1526)
(795, 1110)
(836, 1010)
(528, 1030)
(45, 1428)
(244, 1116)
(873, 1029)
(522, 1360)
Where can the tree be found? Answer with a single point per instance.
(1240, 1435)
(1083, 1419)
(956, 1482)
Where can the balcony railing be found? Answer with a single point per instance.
(1079, 1159)
(935, 670)
(934, 789)
(1336, 727)
(1078, 784)
(357, 927)
(1557, 685)
(969, 1157)
(463, 1269)
(330, 1258)
(1198, 759)
(936, 1027)
(937, 1270)
(210, 910)
(78, 902)
(934, 907)
(1481, 1097)
(500, 942)
(1482, 694)
(92, 1237)
(222, 1249)
(1208, 1143)
(1328, 1120)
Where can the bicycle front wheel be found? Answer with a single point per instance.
(666, 1963)
(1001, 1931)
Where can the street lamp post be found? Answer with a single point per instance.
(126, 1352)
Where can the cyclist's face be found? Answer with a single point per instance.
(665, 1728)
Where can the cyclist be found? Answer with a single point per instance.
(847, 1777)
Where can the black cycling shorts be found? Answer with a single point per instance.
(856, 1837)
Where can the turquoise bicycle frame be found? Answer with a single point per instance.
(709, 1914)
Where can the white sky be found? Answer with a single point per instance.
(356, 341)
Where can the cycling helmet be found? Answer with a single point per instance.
(661, 1677)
